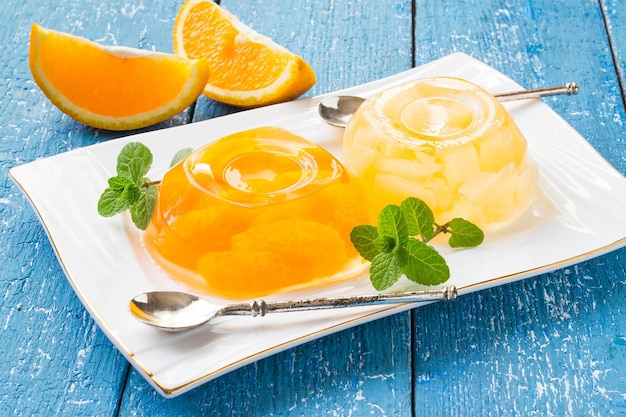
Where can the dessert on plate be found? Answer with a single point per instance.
(447, 142)
(257, 212)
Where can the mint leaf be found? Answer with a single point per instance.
(385, 271)
(127, 188)
(134, 161)
(132, 194)
(180, 155)
(363, 238)
(391, 223)
(385, 244)
(419, 218)
(424, 264)
(112, 201)
(119, 183)
(465, 234)
(142, 210)
(402, 257)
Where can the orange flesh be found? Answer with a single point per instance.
(99, 69)
(263, 223)
(228, 53)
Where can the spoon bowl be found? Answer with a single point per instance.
(173, 311)
(337, 110)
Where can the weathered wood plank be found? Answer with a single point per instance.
(552, 345)
(55, 359)
(361, 371)
(614, 15)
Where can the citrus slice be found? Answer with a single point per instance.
(247, 68)
(114, 88)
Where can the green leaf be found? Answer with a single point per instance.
(142, 210)
(180, 155)
(465, 234)
(132, 194)
(424, 264)
(112, 201)
(419, 218)
(363, 238)
(119, 183)
(402, 257)
(134, 162)
(391, 223)
(385, 271)
(385, 244)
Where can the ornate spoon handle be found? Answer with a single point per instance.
(569, 89)
(261, 307)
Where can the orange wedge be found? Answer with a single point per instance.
(114, 88)
(247, 68)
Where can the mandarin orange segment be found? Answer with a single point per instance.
(248, 69)
(112, 88)
(298, 208)
(162, 242)
(177, 195)
(312, 249)
(245, 274)
(209, 229)
(345, 209)
(194, 233)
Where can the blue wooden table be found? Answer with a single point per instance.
(553, 345)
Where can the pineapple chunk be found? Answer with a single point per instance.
(495, 192)
(409, 169)
(459, 165)
(500, 148)
(398, 187)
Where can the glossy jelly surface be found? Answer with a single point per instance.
(255, 213)
(447, 142)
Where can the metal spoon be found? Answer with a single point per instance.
(337, 110)
(176, 311)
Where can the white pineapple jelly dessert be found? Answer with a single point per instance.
(446, 141)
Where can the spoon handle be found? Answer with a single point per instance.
(261, 307)
(569, 89)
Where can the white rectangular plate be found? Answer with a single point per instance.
(579, 215)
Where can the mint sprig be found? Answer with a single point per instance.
(398, 245)
(130, 189)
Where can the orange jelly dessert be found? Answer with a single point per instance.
(447, 142)
(257, 212)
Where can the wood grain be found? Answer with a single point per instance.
(550, 345)
(55, 359)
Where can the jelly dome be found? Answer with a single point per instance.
(446, 141)
(257, 212)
